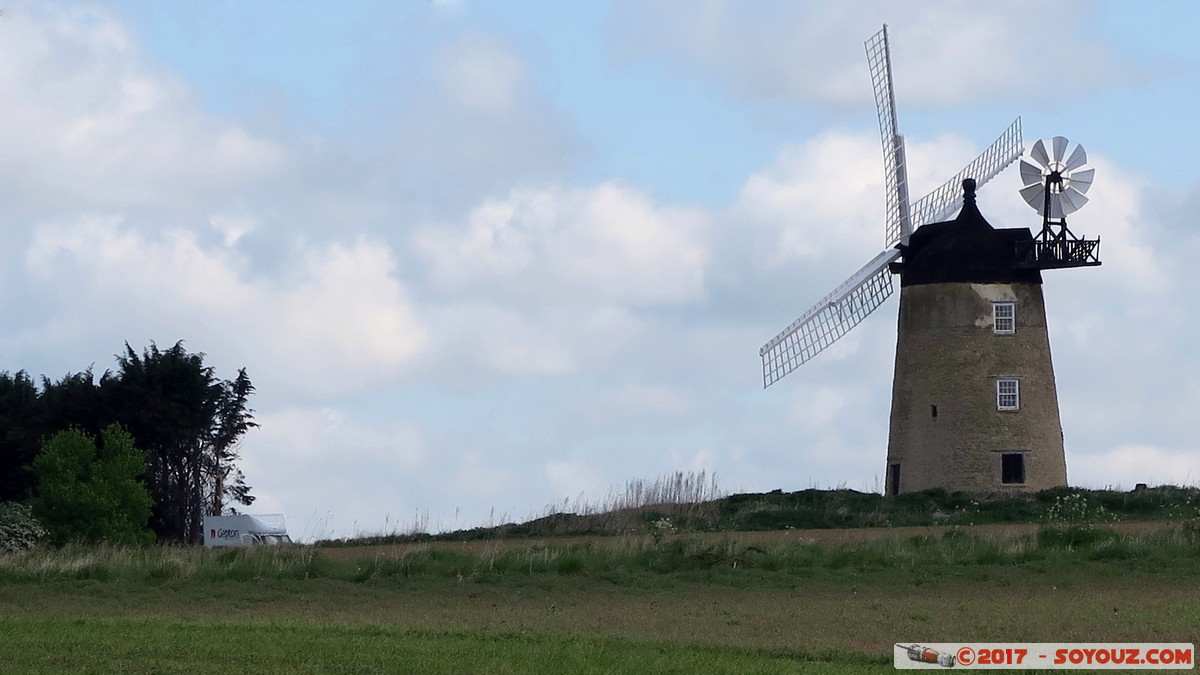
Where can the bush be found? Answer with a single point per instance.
(1073, 536)
(19, 530)
(89, 492)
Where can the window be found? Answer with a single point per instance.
(1008, 394)
(1004, 317)
(894, 478)
(1012, 468)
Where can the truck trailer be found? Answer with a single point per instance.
(264, 529)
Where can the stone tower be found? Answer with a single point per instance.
(974, 404)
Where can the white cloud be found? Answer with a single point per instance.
(823, 198)
(574, 480)
(1129, 464)
(327, 435)
(695, 462)
(823, 201)
(816, 408)
(334, 473)
(233, 228)
(483, 74)
(89, 119)
(943, 52)
(480, 128)
(480, 479)
(610, 243)
(649, 399)
(550, 340)
(554, 280)
(340, 320)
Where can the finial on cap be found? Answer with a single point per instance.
(968, 185)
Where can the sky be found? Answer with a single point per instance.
(486, 259)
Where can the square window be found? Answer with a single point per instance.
(1012, 468)
(1004, 317)
(1008, 394)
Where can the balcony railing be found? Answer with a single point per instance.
(1058, 253)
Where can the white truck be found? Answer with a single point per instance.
(265, 529)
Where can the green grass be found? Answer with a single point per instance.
(143, 646)
(826, 509)
(723, 559)
(688, 604)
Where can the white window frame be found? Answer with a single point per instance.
(1004, 325)
(1008, 393)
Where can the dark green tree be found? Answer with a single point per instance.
(89, 492)
(28, 415)
(76, 400)
(20, 434)
(189, 424)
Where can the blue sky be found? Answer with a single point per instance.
(480, 258)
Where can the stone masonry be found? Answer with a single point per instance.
(946, 428)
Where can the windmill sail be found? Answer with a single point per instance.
(897, 224)
(945, 200)
(851, 302)
(829, 319)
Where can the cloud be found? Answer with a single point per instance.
(824, 200)
(233, 228)
(575, 479)
(944, 53)
(610, 243)
(656, 400)
(329, 435)
(1129, 464)
(334, 473)
(338, 321)
(478, 478)
(814, 408)
(90, 121)
(554, 340)
(549, 281)
(480, 73)
(478, 127)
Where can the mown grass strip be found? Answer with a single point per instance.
(143, 646)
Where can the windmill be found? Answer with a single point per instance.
(974, 405)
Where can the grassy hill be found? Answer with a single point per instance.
(824, 509)
(659, 584)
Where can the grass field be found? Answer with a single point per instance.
(683, 605)
(175, 646)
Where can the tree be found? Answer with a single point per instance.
(19, 435)
(89, 492)
(27, 416)
(189, 424)
(76, 401)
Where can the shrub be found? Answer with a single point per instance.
(1073, 536)
(19, 530)
(89, 492)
